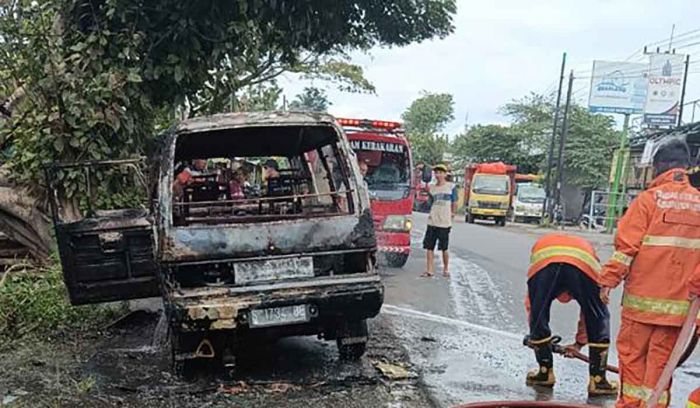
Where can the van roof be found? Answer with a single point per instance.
(246, 119)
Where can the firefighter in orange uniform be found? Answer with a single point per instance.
(657, 247)
(694, 399)
(562, 267)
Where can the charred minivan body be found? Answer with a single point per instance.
(293, 256)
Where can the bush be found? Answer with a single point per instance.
(36, 302)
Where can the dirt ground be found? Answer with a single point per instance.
(120, 367)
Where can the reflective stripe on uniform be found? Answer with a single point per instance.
(677, 242)
(560, 250)
(691, 404)
(642, 393)
(618, 256)
(655, 305)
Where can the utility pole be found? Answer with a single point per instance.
(670, 41)
(615, 190)
(562, 139)
(550, 158)
(685, 79)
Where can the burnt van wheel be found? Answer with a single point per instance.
(396, 260)
(351, 352)
(352, 340)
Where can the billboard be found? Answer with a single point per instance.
(664, 85)
(618, 87)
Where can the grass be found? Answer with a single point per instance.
(35, 302)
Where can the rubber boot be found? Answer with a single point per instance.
(597, 384)
(544, 375)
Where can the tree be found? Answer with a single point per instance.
(424, 121)
(590, 146)
(588, 151)
(311, 99)
(485, 143)
(98, 75)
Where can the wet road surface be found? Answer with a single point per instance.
(465, 332)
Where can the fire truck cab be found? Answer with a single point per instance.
(383, 147)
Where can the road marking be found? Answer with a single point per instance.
(417, 314)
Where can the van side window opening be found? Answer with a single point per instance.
(259, 174)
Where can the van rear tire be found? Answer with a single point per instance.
(357, 331)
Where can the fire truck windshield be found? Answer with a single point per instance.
(388, 171)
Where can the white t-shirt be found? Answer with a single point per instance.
(441, 209)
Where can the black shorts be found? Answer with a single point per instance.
(438, 235)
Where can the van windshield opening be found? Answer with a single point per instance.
(259, 174)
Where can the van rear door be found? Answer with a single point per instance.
(107, 255)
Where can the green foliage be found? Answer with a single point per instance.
(525, 142)
(590, 146)
(311, 99)
(261, 97)
(36, 302)
(424, 119)
(486, 143)
(429, 114)
(101, 76)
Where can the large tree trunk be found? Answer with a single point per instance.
(25, 229)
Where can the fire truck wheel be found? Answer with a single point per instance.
(470, 218)
(396, 260)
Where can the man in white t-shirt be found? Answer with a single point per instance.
(444, 204)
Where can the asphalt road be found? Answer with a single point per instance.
(464, 333)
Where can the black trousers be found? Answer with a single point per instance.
(556, 279)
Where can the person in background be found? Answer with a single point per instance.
(442, 210)
(237, 185)
(564, 267)
(276, 185)
(657, 248)
(363, 167)
(186, 176)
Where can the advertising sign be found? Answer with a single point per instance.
(665, 82)
(618, 87)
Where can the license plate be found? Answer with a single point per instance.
(273, 269)
(277, 316)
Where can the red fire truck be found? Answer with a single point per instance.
(384, 147)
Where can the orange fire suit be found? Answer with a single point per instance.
(694, 399)
(555, 249)
(694, 282)
(657, 248)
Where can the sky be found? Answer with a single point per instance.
(504, 49)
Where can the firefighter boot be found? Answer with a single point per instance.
(544, 375)
(597, 383)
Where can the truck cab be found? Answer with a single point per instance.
(527, 203)
(294, 255)
(383, 148)
(488, 189)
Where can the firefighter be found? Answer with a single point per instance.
(694, 399)
(657, 247)
(564, 267)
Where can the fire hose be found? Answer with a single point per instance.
(679, 351)
(685, 351)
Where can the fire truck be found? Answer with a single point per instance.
(384, 148)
